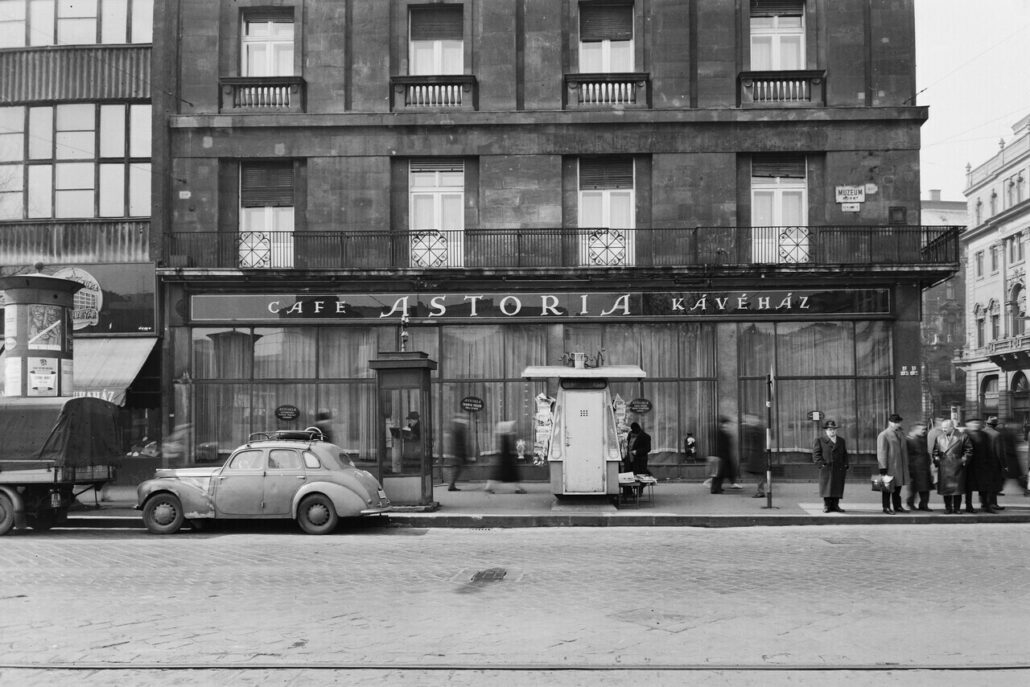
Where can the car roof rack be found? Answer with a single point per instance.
(308, 434)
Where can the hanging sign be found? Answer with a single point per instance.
(472, 404)
(640, 406)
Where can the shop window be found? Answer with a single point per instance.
(267, 43)
(75, 22)
(777, 35)
(779, 209)
(437, 213)
(436, 40)
(606, 38)
(266, 214)
(607, 215)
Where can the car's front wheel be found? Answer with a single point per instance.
(316, 515)
(163, 514)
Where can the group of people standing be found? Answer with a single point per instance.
(977, 459)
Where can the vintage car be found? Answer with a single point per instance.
(280, 474)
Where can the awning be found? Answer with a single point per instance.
(105, 368)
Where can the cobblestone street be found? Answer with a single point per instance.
(440, 602)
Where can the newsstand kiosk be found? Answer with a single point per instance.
(584, 450)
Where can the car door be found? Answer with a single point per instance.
(285, 475)
(239, 487)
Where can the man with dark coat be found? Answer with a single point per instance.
(892, 457)
(990, 473)
(951, 451)
(831, 455)
(918, 467)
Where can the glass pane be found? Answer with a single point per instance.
(76, 31)
(41, 191)
(256, 59)
(112, 131)
(794, 214)
(142, 21)
(591, 209)
(591, 58)
(73, 203)
(422, 215)
(284, 353)
(422, 62)
(139, 190)
(452, 58)
(74, 175)
(621, 209)
(761, 53)
(282, 55)
(762, 209)
(41, 19)
(139, 130)
(114, 21)
(222, 353)
(452, 216)
(112, 190)
(41, 133)
(790, 52)
(621, 56)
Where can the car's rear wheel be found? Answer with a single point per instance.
(316, 515)
(163, 514)
(6, 514)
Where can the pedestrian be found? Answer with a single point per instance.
(457, 454)
(921, 477)
(724, 452)
(990, 471)
(892, 458)
(950, 452)
(831, 455)
(506, 470)
(638, 446)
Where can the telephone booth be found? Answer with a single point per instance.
(585, 449)
(404, 426)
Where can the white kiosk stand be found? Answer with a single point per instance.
(584, 450)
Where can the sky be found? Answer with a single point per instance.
(973, 71)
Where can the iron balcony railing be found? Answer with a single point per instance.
(74, 241)
(567, 247)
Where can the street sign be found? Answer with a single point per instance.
(472, 404)
(287, 413)
(640, 406)
(815, 415)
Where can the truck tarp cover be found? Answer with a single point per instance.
(68, 431)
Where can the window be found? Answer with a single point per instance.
(779, 209)
(607, 209)
(606, 38)
(266, 214)
(75, 22)
(77, 160)
(980, 264)
(267, 44)
(777, 35)
(436, 40)
(436, 205)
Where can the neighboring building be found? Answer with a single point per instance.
(944, 328)
(996, 355)
(715, 191)
(75, 183)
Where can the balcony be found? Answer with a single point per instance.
(607, 91)
(74, 241)
(803, 247)
(449, 92)
(264, 94)
(802, 88)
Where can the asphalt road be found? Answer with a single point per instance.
(911, 605)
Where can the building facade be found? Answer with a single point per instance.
(724, 193)
(996, 355)
(75, 186)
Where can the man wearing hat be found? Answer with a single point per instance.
(831, 455)
(892, 458)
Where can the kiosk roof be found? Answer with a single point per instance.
(563, 371)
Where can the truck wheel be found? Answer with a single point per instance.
(6, 514)
(163, 514)
(316, 515)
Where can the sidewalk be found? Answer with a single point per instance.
(675, 504)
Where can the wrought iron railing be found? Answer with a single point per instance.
(262, 93)
(449, 92)
(592, 91)
(782, 88)
(568, 247)
(74, 241)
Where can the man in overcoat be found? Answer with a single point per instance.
(831, 455)
(918, 467)
(950, 452)
(892, 457)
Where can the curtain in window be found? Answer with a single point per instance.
(284, 353)
(222, 353)
(605, 22)
(815, 349)
(795, 398)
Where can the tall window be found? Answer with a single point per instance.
(267, 44)
(605, 38)
(78, 160)
(75, 22)
(779, 209)
(437, 213)
(436, 40)
(266, 214)
(777, 35)
(607, 203)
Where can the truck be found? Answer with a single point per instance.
(52, 450)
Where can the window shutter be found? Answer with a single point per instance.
(783, 166)
(265, 184)
(436, 23)
(605, 173)
(777, 8)
(438, 165)
(283, 16)
(605, 22)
